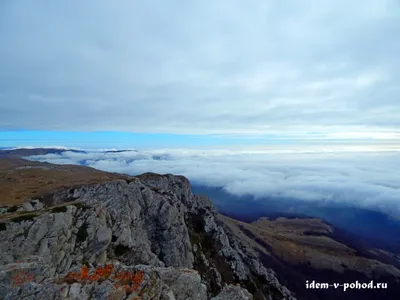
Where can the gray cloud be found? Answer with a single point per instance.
(363, 179)
(201, 67)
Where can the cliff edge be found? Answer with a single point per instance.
(144, 237)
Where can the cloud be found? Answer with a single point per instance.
(221, 67)
(361, 179)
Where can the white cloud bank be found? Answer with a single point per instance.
(363, 179)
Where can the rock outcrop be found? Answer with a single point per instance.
(144, 238)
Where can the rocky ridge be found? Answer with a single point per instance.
(147, 237)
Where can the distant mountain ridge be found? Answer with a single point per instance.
(20, 152)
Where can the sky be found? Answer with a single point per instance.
(289, 98)
(198, 74)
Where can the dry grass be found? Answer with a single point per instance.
(288, 240)
(21, 179)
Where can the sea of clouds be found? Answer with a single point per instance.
(361, 179)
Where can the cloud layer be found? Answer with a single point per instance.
(201, 67)
(362, 179)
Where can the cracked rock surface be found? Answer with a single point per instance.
(144, 238)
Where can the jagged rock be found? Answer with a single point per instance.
(231, 292)
(27, 206)
(185, 284)
(152, 224)
(105, 282)
(37, 204)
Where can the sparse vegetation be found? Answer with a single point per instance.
(80, 205)
(12, 209)
(85, 262)
(59, 209)
(121, 250)
(129, 180)
(24, 217)
(208, 249)
(82, 233)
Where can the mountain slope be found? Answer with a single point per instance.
(71, 232)
(135, 238)
(21, 179)
(309, 249)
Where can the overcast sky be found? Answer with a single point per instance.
(287, 68)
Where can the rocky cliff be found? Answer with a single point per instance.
(146, 237)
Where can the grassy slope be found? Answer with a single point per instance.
(21, 179)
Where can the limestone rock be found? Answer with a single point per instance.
(123, 238)
(231, 292)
